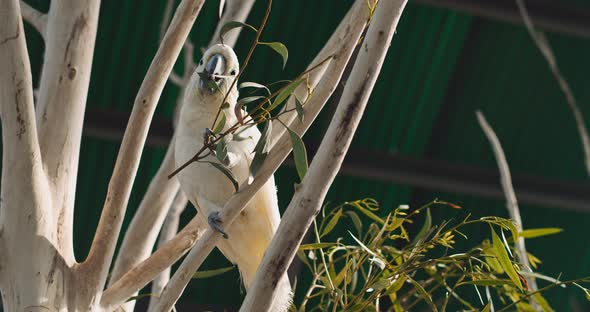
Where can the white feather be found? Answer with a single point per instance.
(209, 190)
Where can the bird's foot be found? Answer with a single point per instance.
(215, 222)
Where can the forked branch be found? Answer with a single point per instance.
(32, 16)
(103, 246)
(309, 198)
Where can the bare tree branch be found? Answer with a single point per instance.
(37, 19)
(276, 156)
(168, 232)
(545, 49)
(103, 246)
(63, 90)
(511, 202)
(301, 92)
(148, 269)
(308, 200)
(148, 219)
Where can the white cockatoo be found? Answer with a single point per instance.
(207, 187)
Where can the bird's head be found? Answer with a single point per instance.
(216, 71)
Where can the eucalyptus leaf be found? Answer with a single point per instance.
(220, 124)
(356, 221)
(221, 151)
(532, 233)
(299, 154)
(502, 257)
(280, 49)
(315, 246)
(332, 223)
(250, 84)
(249, 99)
(140, 296)
(211, 273)
(233, 24)
(425, 228)
(285, 93)
(299, 109)
(227, 173)
(423, 293)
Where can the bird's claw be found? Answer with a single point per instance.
(215, 222)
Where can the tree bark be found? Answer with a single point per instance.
(101, 253)
(309, 198)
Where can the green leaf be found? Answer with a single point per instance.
(532, 233)
(356, 221)
(140, 296)
(249, 99)
(502, 257)
(250, 84)
(211, 273)
(332, 223)
(299, 154)
(315, 246)
(487, 308)
(231, 25)
(488, 282)
(220, 124)
(285, 93)
(221, 151)
(226, 172)
(542, 302)
(263, 143)
(425, 228)
(261, 148)
(423, 293)
(280, 49)
(299, 109)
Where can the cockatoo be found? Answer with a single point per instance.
(207, 187)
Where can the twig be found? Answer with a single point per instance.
(307, 202)
(103, 246)
(246, 61)
(37, 19)
(235, 10)
(545, 49)
(511, 202)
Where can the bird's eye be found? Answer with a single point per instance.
(233, 72)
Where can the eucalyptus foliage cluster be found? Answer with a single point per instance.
(381, 267)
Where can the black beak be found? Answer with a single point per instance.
(215, 67)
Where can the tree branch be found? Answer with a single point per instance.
(511, 202)
(148, 219)
(308, 200)
(37, 19)
(168, 232)
(545, 49)
(63, 90)
(301, 92)
(276, 156)
(103, 246)
(164, 257)
(147, 270)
